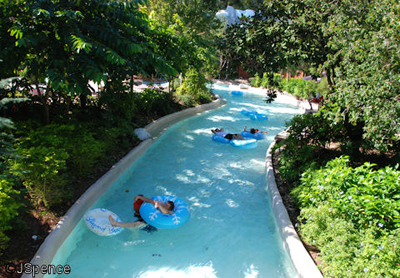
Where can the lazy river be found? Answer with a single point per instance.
(232, 231)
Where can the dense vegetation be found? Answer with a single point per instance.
(69, 107)
(342, 161)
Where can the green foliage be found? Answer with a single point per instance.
(194, 89)
(51, 155)
(367, 86)
(8, 206)
(139, 108)
(360, 195)
(352, 216)
(269, 80)
(42, 169)
(265, 80)
(155, 103)
(305, 89)
(323, 87)
(277, 81)
(121, 104)
(186, 33)
(309, 135)
(256, 81)
(9, 195)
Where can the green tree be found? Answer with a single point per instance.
(67, 43)
(193, 28)
(367, 89)
(9, 203)
(353, 42)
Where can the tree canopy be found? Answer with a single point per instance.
(353, 43)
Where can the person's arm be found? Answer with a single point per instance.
(147, 200)
(161, 206)
(245, 129)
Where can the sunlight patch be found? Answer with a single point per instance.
(251, 272)
(190, 137)
(183, 178)
(231, 203)
(222, 119)
(191, 271)
(202, 131)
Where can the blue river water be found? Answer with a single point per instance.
(231, 232)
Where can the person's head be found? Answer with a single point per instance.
(252, 130)
(170, 205)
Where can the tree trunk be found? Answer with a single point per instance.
(45, 107)
(83, 99)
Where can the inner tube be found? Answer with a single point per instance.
(220, 139)
(97, 221)
(237, 93)
(244, 144)
(156, 218)
(254, 115)
(257, 135)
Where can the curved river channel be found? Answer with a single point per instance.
(232, 230)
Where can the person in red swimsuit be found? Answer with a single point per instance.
(165, 208)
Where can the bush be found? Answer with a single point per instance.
(304, 89)
(256, 81)
(121, 105)
(195, 86)
(52, 155)
(8, 207)
(154, 103)
(277, 81)
(309, 135)
(42, 170)
(265, 80)
(352, 216)
(361, 195)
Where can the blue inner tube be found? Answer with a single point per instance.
(156, 218)
(257, 135)
(220, 139)
(254, 115)
(244, 144)
(237, 93)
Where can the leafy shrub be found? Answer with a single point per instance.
(323, 87)
(277, 81)
(116, 138)
(187, 100)
(309, 134)
(256, 81)
(121, 105)
(155, 103)
(52, 155)
(81, 145)
(43, 172)
(352, 216)
(361, 195)
(264, 80)
(195, 85)
(8, 206)
(305, 89)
